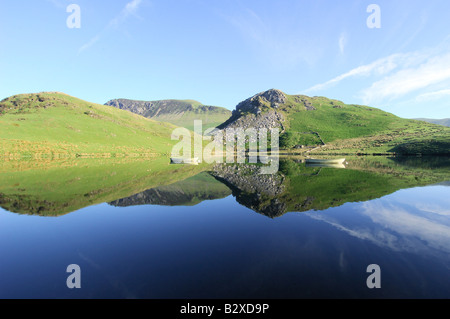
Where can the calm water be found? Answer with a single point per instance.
(223, 241)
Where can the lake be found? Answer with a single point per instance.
(158, 231)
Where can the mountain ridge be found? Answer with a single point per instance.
(56, 123)
(444, 122)
(327, 125)
(178, 112)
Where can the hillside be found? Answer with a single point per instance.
(337, 127)
(444, 122)
(178, 112)
(296, 187)
(58, 125)
(58, 187)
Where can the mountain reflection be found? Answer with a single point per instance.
(189, 192)
(296, 187)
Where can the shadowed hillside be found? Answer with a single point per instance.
(178, 112)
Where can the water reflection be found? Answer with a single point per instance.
(400, 221)
(189, 192)
(296, 187)
(204, 231)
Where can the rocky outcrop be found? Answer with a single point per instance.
(152, 109)
(250, 179)
(259, 111)
(146, 109)
(266, 120)
(254, 190)
(306, 102)
(271, 98)
(177, 112)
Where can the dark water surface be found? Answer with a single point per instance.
(220, 236)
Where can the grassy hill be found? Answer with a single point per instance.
(318, 121)
(178, 112)
(59, 125)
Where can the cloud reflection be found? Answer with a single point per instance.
(419, 227)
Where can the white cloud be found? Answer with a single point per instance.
(435, 70)
(280, 43)
(433, 95)
(89, 44)
(419, 76)
(342, 42)
(379, 67)
(131, 8)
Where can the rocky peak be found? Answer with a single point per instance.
(271, 98)
(274, 96)
(259, 111)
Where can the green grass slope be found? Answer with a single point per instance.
(344, 128)
(335, 121)
(178, 112)
(56, 124)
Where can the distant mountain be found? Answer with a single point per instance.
(58, 125)
(332, 126)
(445, 122)
(178, 112)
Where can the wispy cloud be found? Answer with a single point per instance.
(433, 95)
(424, 73)
(276, 41)
(87, 45)
(435, 70)
(343, 38)
(379, 67)
(130, 9)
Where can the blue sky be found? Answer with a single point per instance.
(222, 52)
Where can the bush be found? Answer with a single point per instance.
(290, 140)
